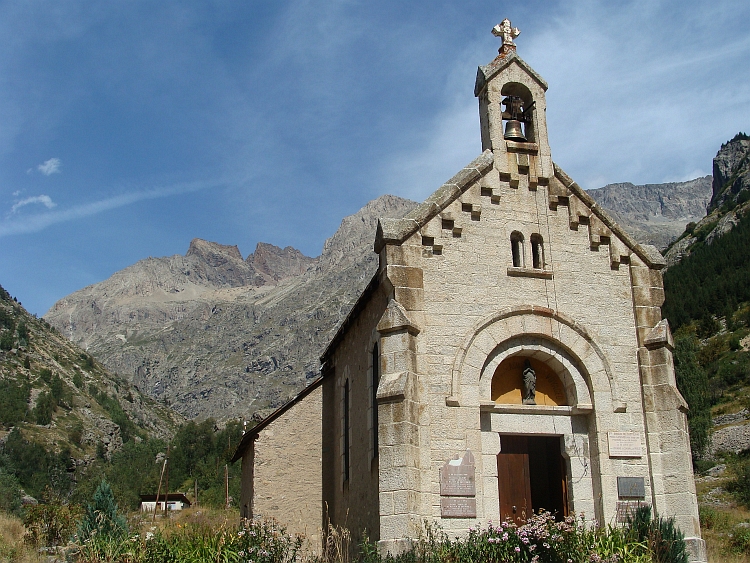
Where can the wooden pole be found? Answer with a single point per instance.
(158, 491)
(166, 487)
(226, 485)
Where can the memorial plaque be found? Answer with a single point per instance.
(631, 487)
(625, 444)
(458, 507)
(457, 477)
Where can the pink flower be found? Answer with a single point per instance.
(518, 549)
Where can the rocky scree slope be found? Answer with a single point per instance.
(214, 335)
(59, 396)
(656, 213)
(730, 199)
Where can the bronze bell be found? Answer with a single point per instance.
(513, 131)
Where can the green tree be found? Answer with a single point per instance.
(102, 518)
(10, 493)
(14, 399)
(45, 406)
(692, 382)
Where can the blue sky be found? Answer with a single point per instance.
(128, 128)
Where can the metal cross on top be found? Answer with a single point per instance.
(508, 33)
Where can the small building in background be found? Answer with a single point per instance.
(174, 501)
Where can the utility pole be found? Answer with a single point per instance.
(226, 485)
(196, 491)
(166, 486)
(158, 491)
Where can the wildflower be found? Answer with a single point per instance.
(505, 536)
(518, 549)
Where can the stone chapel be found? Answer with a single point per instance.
(508, 356)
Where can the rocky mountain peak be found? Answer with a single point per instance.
(213, 253)
(731, 171)
(276, 264)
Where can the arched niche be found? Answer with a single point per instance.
(519, 90)
(506, 387)
(539, 332)
(561, 380)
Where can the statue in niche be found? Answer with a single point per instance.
(529, 384)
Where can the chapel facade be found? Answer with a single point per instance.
(508, 356)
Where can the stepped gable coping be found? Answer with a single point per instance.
(249, 436)
(646, 252)
(486, 72)
(396, 231)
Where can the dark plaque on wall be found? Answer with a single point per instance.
(457, 477)
(631, 487)
(458, 507)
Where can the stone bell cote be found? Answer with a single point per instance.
(512, 113)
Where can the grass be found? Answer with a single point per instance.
(12, 546)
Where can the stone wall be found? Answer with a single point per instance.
(282, 470)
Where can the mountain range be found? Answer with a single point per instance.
(213, 334)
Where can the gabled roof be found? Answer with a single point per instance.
(250, 435)
(396, 231)
(485, 73)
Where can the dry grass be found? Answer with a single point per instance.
(12, 547)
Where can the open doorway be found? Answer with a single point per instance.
(531, 476)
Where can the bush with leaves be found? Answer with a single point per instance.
(51, 523)
(665, 541)
(101, 518)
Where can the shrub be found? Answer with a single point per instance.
(664, 540)
(46, 375)
(78, 380)
(6, 341)
(50, 524)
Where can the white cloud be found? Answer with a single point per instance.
(49, 167)
(43, 199)
(40, 221)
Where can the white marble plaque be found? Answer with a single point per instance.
(625, 444)
(458, 507)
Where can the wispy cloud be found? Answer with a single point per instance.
(49, 167)
(43, 199)
(38, 222)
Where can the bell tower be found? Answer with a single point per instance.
(512, 113)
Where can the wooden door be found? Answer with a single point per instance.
(513, 479)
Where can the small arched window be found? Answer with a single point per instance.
(516, 247)
(537, 251)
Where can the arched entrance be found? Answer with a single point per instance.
(531, 470)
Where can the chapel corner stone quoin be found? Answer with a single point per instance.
(509, 355)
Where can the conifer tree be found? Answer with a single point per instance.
(101, 518)
(692, 381)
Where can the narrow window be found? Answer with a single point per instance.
(516, 246)
(346, 430)
(375, 382)
(537, 251)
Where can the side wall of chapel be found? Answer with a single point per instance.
(282, 474)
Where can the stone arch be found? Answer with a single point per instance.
(558, 338)
(575, 387)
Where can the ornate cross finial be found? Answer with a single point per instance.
(508, 33)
